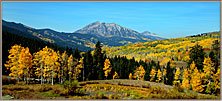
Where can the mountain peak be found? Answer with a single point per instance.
(108, 30)
(97, 22)
(148, 33)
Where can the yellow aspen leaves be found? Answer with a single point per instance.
(164, 72)
(208, 67)
(159, 76)
(130, 76)
(217, 79)
(14, 64)
(25, 63)
(196, 81)
(71, 63)
(139, 73)
(115, 75)
(177, 77)
(107, 67)
(192, 67)
(165, 61)
(152, 75)
(186, 81)
(77, 70)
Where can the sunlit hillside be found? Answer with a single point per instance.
(176, 49)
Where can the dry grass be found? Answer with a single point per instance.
(112, 89)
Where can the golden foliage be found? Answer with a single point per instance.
(186, 81)
(115, 75)
(159, 76)
(130, 76)
(139, 73)
(196, 81)
(107, 67)
(152, 75)
(177, 77)
(208, 67)
(15, 64)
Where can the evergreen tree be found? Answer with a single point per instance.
(88, 65)
(98, 61)
(169, 75)
(69, 51)
(148, 70)
(216, 49)
(77, 54)
(196, 54)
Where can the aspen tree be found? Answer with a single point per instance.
(164, 75)
(39, 63)
(115, 75)
(77, 70)
(130, 76)
(209, 73)
(107, 67)
(64, 66)
(208, 69)
(139, 73)
(196, 81)
(53, 64)
(191, 70)
(70, 66)
(13, 63)
(25, 62)
(159, 75)
(216, 81)
(152, 75)
(186, 81)
(177, 77)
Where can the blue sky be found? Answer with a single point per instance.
(167, 19)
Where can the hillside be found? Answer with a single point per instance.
(176, 49)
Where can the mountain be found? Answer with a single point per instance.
(109, 30)
(152, 36)
(109, 34)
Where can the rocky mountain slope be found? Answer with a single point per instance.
(109, 34)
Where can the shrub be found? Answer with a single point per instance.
(178, 88)
(55, 91)
(71, 86)
(43, 88)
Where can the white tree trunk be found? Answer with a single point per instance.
(41, 74)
